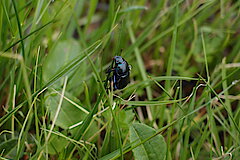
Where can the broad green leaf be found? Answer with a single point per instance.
(125, 119)
(68, 115)
(86, 122)
(155, 148)
(56, 144)
(63, 53)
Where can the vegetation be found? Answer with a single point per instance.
(182, 101)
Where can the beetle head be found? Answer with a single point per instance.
(118, 59)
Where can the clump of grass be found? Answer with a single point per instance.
(183, 99)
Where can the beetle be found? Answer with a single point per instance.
(121, 73)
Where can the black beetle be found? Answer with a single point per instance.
(121, 73)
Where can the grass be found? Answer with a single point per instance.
(184, 85)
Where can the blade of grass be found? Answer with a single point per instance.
(172, 50)
(186, 136)
(226, 94)
(93, 6)
(202, 139)
(224, 85)
(19, 27)
(170, 130)
(150, 103)
(143, 72)
(170, 61)
(34, 90)
(7, 16)
(205, 56)
(212, 124)
(44, 10)
(13, 106)
(30, 34)
(57, 113)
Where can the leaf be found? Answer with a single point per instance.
(7, 146)
(72, 65)
(154, 148)
(61, 55)
(68, 115)
(86, 123)
(125, 120)
(56, 144)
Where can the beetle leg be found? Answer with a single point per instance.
(109, 69)
(106, 82)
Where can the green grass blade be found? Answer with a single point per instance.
(19, 27)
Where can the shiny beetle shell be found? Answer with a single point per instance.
(121, 73)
